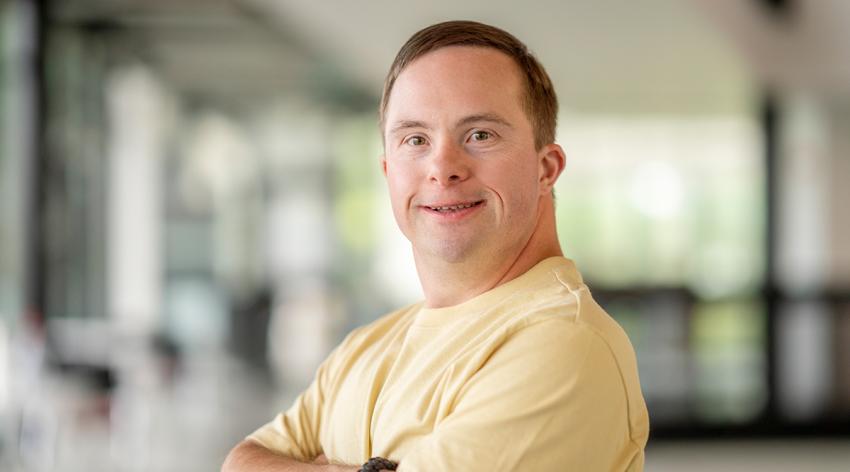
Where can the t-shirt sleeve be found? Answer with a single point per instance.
(550, 398)
(295, 432)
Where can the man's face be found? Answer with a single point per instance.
(460, 160)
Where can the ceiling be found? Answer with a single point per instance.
(607, 56)
(610, 55)
(804, 45)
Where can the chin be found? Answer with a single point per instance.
(452, 251)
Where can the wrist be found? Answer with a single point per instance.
(377, 464)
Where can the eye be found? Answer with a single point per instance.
(415, 141)
(480, 136)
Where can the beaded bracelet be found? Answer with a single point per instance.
(376, 464)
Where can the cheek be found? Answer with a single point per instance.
(396, 181)
(522, 200)
(403, 176)
(516, 184)
(401, 188)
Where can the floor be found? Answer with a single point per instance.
(750, 456)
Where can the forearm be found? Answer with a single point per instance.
(250, 457)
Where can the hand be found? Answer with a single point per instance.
(321, 459)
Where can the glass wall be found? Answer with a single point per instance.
(813, 261)
(16, 91)
(20, 336)
(664, 201)
(664, 215)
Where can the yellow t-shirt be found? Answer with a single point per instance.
(531, 375)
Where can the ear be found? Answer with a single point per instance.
(551, 163)
(384, 164)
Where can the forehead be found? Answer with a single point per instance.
(457, 80)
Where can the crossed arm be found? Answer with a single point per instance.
(571, 414)
(248, 456)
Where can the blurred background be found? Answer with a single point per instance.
(192, 215)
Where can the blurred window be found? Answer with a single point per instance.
(664, 201)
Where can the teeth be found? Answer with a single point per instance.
(453, 207)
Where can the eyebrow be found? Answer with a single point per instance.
(490, 117)
(479, 117)
(407, 124)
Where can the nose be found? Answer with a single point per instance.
(449, 165)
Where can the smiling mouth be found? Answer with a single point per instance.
(453, 208)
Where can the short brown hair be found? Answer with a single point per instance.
(539, 101)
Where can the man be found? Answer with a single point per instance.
(508, 364)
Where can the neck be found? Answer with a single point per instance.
(451, 283)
